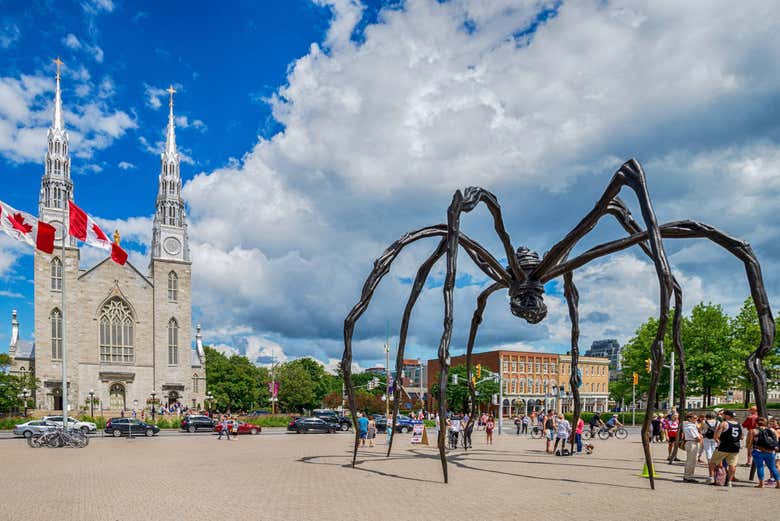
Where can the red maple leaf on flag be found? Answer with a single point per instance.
(99, 233)
(17, 221)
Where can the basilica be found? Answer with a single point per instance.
(126, 332)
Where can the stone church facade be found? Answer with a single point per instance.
(127, 332)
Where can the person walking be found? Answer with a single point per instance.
(749, 424)
(656, 424)
(225, 428)
(234, 426)
(671, 426)
(563, 431)
(518, 424)
(467, 431)
(371, 431)
(708, 441)
(578, 434)
(363, 429)
(693, 439)
(728, 436)
(549, 430)
(526, 421)
(489, 426)
(764, 443)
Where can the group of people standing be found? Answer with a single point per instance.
(718, 436)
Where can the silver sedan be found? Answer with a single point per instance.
(31, 427)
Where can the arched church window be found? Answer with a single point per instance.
(195, 386)
(56, 274)
(116, 332)
(56, 334)
(164, 186)
(173, 342)
(173, 287)
(172, 216)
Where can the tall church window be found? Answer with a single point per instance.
(116, 332)
(56, 274)
(195, 385)
(173, 342)
(56, 334)
(173, 287)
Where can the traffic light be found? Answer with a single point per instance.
(479, 370)
(648, 365)
(636, 378)
(473, 380)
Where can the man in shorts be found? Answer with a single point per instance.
(363, 429)
(549, 430)
(728, 435)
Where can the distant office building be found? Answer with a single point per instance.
(376, 370)
(609, 348)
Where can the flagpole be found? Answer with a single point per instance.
(64, 351)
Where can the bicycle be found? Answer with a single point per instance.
(59, 437)
(605, 433)
(537, 432)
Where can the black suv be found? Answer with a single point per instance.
(194, 423)
(331, 417)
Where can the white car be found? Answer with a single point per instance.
(73, 423)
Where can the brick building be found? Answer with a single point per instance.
(532, 381)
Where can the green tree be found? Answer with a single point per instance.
(235, 382)
(458, 394)
(11, 386)
(710, 358)
(296, 387)
(635, 352)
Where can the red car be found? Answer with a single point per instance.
(243, 427)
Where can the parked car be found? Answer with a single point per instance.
(313, 424)
(261, 412)
(125, 426)
(73, 423)
(332, 417)
(243, 427)
(27, 429)
(404, 424)
(194, 423)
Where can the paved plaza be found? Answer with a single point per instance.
(286, 476)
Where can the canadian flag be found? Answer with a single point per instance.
(24, 227)
(85, 229)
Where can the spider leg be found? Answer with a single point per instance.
(623, 215)
(631, 175)
(419, 282)
(476, 320)
(740, 249)
(573, 300)
(481, 257)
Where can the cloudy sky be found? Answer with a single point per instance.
(315, 133)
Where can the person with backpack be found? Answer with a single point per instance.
(728, 436)
(709, 444)
(764, 443)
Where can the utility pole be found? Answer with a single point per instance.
(500, 397)
(671, 383)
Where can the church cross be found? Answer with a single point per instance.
(59, 64)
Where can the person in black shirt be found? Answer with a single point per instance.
(729, 437)
(595, 421)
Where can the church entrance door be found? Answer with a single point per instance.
(56, 399)
(173, 397)
(116, 398)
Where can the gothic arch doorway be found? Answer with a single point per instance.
(173, 397)
(116, 397)
(56, 395)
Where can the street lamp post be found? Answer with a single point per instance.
(210, 399)
(92, 403)
(25, 394)
(154, 404)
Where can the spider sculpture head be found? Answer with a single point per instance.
(527, 297)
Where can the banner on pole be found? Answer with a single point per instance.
(273, 388)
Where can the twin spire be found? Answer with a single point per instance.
(58, 125)
(170, 138)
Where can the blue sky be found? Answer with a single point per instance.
(317, 132)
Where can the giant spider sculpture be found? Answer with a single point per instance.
(526, 275)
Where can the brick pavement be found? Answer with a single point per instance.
(307, 477)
